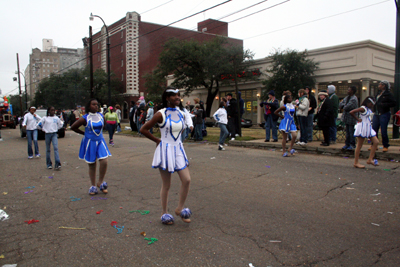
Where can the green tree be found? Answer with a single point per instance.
(195, 65)
(14, 101)
(72, 88)
(291, 70)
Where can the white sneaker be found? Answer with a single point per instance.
(236, 134)
(1, 139)
(221, 147)
(303, 144)
(233, 138)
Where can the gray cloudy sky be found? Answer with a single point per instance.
(25, 23)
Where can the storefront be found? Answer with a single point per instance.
(250, 103)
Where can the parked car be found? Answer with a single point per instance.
(246, 123)
(41, 113)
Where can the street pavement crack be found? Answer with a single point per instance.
(323, 260)
(380, 254)
(333, 189)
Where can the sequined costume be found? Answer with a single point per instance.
(170, 154)
(93, 145)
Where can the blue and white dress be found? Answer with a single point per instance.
(364, 128)
(93, 145)
(170, 155)
(287, 123)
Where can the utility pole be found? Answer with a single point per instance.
(396, 90)
(91, 62)
(19, 84)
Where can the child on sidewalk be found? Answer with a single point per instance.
(50, 125)
(364, 130)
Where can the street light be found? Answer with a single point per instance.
(91, 18)
(26, 92)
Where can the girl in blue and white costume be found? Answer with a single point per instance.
(170, 155)
(93, 145)
(287, 124)
(364, 130)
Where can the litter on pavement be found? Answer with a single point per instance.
(375, 224)
(143, 233)
(32, 221)
(27, 192)
(143, 212)
(29, 187)
(74, 198)
(152, 240)
(119, 228)
(3, 215)
(98, 212)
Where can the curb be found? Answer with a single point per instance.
(318, 150)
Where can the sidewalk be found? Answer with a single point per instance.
(315, 148)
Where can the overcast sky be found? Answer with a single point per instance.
(320, 23)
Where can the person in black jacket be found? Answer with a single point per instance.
(325, 116)
(384, 101)
(311, 110)
(270, 118)
(232, 115)
(131, 115)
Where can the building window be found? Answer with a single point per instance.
(98, 45)
(98, 58)
(122, 62)
(122, 34)
(122, 48)
(122, 77)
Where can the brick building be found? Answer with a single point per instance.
(51, 59)
(135, 47)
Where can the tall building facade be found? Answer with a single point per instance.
(51, 59)
(136, 45)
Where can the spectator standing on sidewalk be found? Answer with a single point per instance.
(118, 111)
(270, 118)
(384, 101)
(349, 103)
(30, 123)
(310, 116)
(325, 116)
(198, 123)
(221, 116)
(131, 114)
(302, 114)
(335, 108)
(232, 115)
(150, 113)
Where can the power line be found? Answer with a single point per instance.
(156, 7)
(243, 9)
(259, 11)
(311, 21)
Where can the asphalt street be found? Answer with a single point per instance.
(249, 206)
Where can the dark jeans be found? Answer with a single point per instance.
(350, 139)
(232, 127)
(198, 135)
(223, 134)
(111, 130)
(382, 121)
(32, 135)
(310, 125)
(326, 131)
(332, 132)
(52, 138)
(270, 124)
(303, 121)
